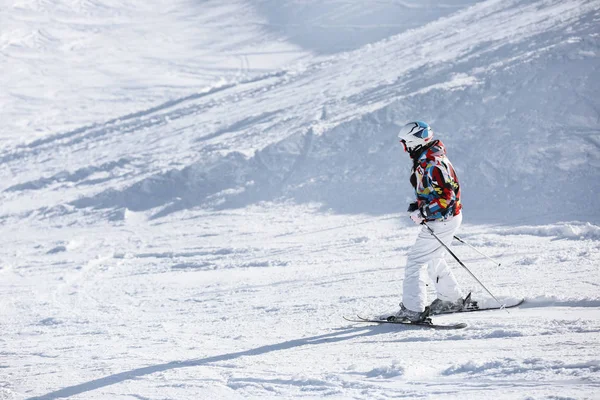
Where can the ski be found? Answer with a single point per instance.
(425, 324)
(466, 310)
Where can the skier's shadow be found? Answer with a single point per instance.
(338, 336)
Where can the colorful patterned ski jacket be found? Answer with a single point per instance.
(435, 183)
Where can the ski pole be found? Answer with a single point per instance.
(462, 264)
(489, 258)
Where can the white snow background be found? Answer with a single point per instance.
(193, 193)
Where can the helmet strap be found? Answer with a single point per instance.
(415, 152)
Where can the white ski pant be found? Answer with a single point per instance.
(426, 261)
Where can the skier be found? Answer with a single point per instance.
(438, 204)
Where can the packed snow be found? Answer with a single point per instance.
(194, 194)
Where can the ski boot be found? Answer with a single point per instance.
(406, 315)
(445, 307)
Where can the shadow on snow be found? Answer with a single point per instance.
(339, 336)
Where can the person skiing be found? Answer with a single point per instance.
(438, 204)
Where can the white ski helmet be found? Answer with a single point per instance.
(414, 135)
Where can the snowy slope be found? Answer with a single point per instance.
(70, 63)
(192, 194)
(333, 26)
(248, 304)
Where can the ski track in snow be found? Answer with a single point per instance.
(193, 218)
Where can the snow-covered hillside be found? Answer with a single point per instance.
(69, 63)
(517, 107)
(193, 193)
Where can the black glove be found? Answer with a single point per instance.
(414, 206)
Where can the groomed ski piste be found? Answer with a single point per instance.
(194, 194)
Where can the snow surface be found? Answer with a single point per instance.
(194, 193)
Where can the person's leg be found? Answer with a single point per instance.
(446, 286)
(420, 255)
(414, 287)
